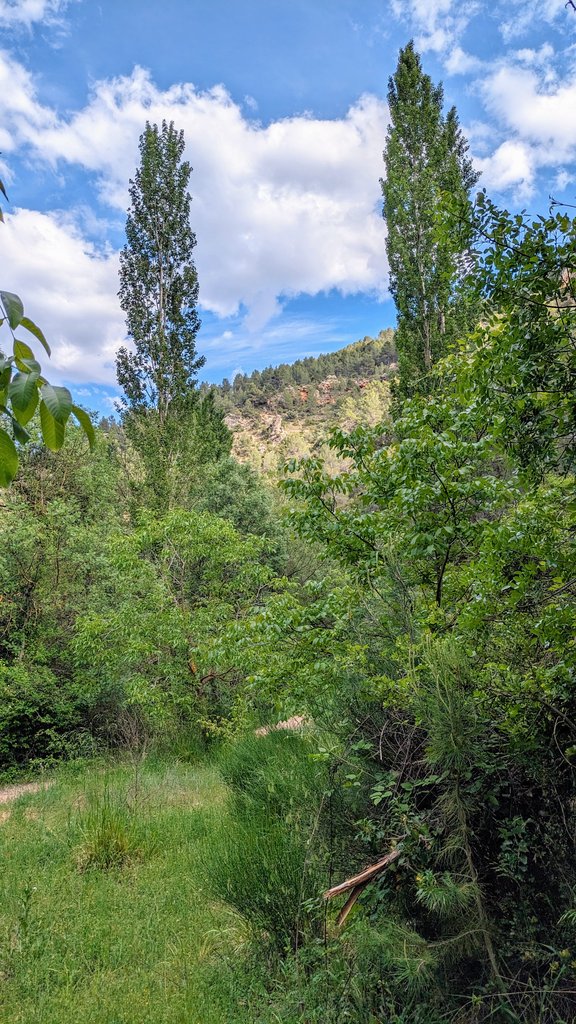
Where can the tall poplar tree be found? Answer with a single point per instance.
(158, 280)
(172, 427)
(426, 160)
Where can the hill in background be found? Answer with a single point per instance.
(282, 411)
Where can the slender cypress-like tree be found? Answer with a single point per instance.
(171, 426)
(426, 161)
(158, 280)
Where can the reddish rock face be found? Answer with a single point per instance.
(324, 391)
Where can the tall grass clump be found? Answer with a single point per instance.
(106, 833)
(267, 860)
(276, 772)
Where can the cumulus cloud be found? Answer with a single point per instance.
(538, 113)
(536, 58)
(511, 165)
(21, 114)
(279, 210)
(458, 62)
(531, 108)
(69, 288)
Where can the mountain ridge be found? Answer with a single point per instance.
(282, 411)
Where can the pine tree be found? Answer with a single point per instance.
(426, 160)
(158, 280)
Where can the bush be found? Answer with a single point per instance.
(40, 718)
(266, 870)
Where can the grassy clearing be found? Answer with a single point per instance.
(104, 913)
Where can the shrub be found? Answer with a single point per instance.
(40, 718)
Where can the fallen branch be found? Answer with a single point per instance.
(358, 883)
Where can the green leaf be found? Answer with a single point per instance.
(8, 459)
(20, 434)
(35, 330)
(14, 308)
(86, 424)
(21, 390)
(23, 415)
(22, 351)
(5, 374)
(30, 366)
(58, 402)
(52, 431)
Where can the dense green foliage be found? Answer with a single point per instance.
(409, 601)
(99, 616)
(525, 363)
(457, 533)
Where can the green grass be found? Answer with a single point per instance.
(159, 891)
(264, 859)
(104, 913)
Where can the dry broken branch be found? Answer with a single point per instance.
(358, 883)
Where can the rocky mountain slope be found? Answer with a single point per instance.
(287, 410)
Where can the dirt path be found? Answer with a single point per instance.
(10, 793)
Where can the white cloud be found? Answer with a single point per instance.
(481, 137)
(563, 179)
(536, 58)
(30, 12)
(524, 14)
(458, 62)
(511, 165)
(439, 24)
(539, 113)
(425, 13)
(532, 110)
(280, 210)
(69, 289)
(21, 115)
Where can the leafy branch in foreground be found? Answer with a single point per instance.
(24, 390)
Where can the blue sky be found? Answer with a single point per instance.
(283, 104)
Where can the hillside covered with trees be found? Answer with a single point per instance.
(288, 410)
(309, 750)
